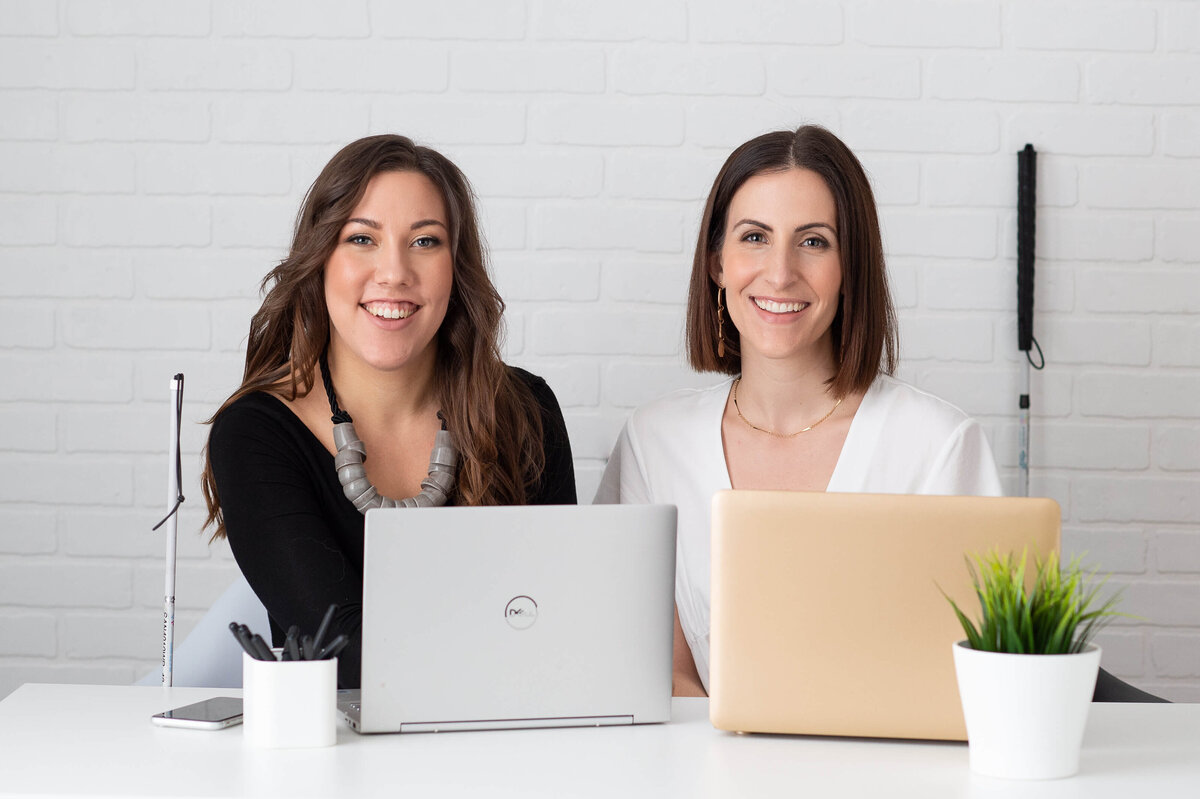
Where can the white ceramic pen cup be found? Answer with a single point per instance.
(289, 704)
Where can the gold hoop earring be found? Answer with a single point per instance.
(720, 323)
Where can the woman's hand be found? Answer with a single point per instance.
(685, 680)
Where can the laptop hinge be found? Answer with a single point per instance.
(516, 724)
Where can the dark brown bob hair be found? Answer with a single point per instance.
(864, 329)
(494, 418)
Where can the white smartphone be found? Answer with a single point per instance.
(211, 714)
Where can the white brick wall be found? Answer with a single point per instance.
(152, 159)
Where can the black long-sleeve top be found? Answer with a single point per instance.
(295, 536)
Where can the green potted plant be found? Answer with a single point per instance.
(1027, 670)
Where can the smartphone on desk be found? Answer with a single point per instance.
(211, 714)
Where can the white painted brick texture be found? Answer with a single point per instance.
(22, 18)
(153, 157)
(768, 22)
(451, 19)
(111, 18)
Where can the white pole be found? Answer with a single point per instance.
(1023, 458)
(173, 483)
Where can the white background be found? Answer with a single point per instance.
(152, 157)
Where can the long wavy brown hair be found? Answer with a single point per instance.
(494, 418)
(864, 328)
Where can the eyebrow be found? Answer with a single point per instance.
(371, 223)
(800, 229)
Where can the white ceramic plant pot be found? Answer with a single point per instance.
(1025, 714)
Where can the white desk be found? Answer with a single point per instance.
(75, 740)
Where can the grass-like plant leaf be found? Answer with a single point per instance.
(1058, 616)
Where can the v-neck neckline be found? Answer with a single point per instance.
(859, 438)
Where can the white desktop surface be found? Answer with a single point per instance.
(79, 740)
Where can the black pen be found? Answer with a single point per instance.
(324, 628)
(335, 646)
(262, 647)
(306, 647)
(243, 638)
(248, 637)
(291, 647)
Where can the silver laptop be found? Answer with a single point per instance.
(512, 617)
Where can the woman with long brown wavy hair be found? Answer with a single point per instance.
(373, 378)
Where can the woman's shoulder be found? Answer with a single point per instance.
(683, 400)
(536, 385)
(259, 414)
(256, 403)
(534, 382)
(682, 408)
(904, 402)
(913, 441)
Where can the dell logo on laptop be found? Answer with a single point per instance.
(520, 612)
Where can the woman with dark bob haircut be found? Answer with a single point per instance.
(373, 379)
(789, 297)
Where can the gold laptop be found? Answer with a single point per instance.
(827, 618)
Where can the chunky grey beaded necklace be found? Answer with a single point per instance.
(435, 489)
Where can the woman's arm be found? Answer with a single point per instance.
(685, 679)
(284, 530)
(965, 466)
(624, 481)
(557, 483)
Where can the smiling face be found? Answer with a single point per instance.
(781, 265)
(388, 280)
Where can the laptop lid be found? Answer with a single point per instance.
(827, 617)
(492, 617)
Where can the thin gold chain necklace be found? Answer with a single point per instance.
(772, 432)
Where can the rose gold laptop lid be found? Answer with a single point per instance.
(827, 618)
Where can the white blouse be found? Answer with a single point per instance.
(902, 440)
